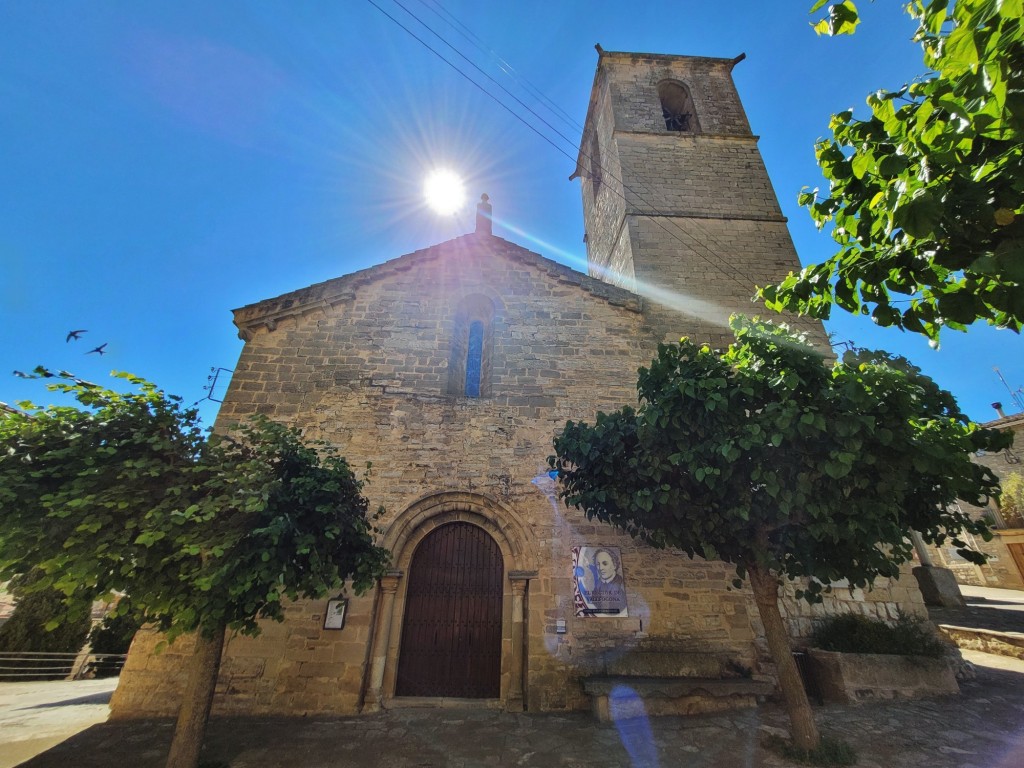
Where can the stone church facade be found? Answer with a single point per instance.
(450, 370)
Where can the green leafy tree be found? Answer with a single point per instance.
(1011, 501)
(926, 192)
(44, 621)
(124, 493)
(765, 458)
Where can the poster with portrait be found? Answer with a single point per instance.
(599, 589)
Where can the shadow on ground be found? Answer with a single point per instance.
(93, 698)
(981, 616)
(982, 727)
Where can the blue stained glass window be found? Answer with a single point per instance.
(474, 358)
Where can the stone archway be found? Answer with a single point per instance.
(403, 538)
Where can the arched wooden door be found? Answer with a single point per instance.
(451, 634)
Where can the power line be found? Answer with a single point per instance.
(465, 58)
(693, 245)
(439, 10)
(487, 93)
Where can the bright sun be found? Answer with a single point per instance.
(444, 192)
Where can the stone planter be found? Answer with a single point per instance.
(849, 678)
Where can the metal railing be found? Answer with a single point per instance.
(23, 666)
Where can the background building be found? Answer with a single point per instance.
(1005, 566)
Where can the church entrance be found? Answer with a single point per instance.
(451, 634)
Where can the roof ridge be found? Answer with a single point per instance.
(337, 289)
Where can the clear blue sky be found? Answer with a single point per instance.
(163, 163)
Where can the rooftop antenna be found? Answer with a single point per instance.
(1017, 395)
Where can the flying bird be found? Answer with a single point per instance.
(23, 375)
(76, 335)
(98, 349)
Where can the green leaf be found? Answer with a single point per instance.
(1009, 258)
(919, 217)
(892, 166)
(806, 198)
(921, 187)
(958, 307)
(886, 315)
(1011, 9)
(835, 469)
(842, 19)
(861, 163)
(961, 48)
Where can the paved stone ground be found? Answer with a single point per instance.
(37, 716)
(999, 610)
(982, 728)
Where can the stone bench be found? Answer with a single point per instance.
(615, 698)
(661, 682)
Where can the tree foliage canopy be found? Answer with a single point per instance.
(926, 193)
(44, 620)
(1011, 501)
(764, 456)
(124, 493)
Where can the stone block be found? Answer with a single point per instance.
(939, 587)
(851, 678)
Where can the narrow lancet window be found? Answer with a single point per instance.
(474, 358)
(472, 342)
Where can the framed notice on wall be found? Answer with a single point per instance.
(334, 618)
(598, 584)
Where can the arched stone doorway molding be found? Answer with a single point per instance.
(422, 517)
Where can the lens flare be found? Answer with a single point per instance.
(444, 192)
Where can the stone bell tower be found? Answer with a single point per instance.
(677, 203)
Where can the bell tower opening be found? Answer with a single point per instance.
(677, 107)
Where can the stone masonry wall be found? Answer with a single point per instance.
(886, 600)
(682, 256)
(367, 373)
(604, 204)
(680, 174)
(634, 82)
(295, 667)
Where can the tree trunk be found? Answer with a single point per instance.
(801, 718)
(196, 700)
